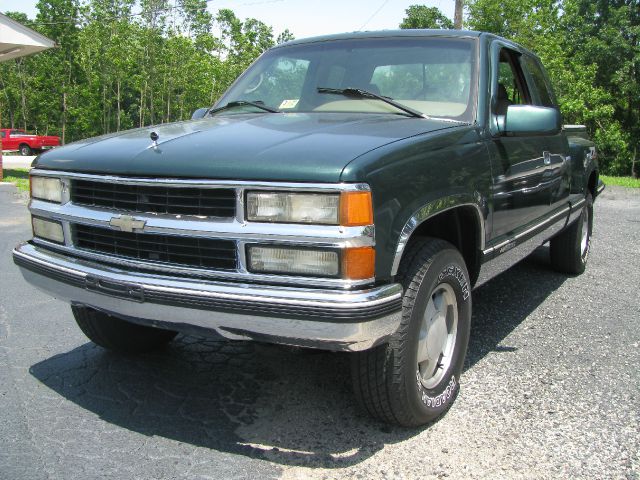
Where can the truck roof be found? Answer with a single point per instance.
(387, 34)
(403, 33)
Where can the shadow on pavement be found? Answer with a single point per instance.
(290, 407)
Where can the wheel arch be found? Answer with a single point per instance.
(461, 225)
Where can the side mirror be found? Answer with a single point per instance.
(199, 113)
(531, 120)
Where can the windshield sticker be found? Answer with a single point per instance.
(289, 103)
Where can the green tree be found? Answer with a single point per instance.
(125, 63)
(421, 16)
(591, 51)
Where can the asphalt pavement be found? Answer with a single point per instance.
(551, 387)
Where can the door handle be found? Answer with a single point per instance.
(547, 158)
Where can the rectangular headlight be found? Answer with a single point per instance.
(296, 261)
(46, 188)
(47, 229)
(293, 207)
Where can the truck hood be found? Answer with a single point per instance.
(304, 147)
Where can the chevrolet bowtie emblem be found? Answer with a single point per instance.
(127, 223)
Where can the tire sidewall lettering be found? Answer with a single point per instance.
(441, 396)
(457, 273)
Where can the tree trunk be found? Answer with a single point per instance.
(64, 114)
(141, 117)
(118, 113)
(23, 97)
(104, 107)
(457, 19)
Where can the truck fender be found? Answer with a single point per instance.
(428, 211)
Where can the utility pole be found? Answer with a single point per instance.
(457, 19)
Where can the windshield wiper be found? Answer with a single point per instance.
(360, 93)
(240, 103)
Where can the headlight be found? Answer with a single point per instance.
(350, 263)
(295, 261)
(47, 229)
(46, 188)
(286, 207)
(347, 208)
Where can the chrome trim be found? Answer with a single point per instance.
(233, 228)
(520, 235)
(333, 235)
(420, 216)
(518, 251)
(204, 183)
(328, 333)
(576, 210)
(242, 274)
(600, 188)
(578, 204)
(66, 190)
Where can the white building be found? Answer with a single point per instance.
(16, 40)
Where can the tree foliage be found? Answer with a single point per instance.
(121, 64)
(591, 50)
(421, 16)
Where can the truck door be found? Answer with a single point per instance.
(527, 170)
(558, 170)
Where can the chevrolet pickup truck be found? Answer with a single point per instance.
(26, 143)
(346, 193)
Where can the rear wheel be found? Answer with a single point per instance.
(570, 249)
(414, 379)
(25, 150)
(116, 334)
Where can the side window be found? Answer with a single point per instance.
(2, 134)
(512, 89)
(539, 82)
(280, 86)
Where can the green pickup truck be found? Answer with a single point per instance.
(346, 193)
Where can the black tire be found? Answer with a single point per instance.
(119, 335)
(570, 249)
(388, 381)
(25, 150)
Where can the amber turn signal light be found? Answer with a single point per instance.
(358, 263)
(356, 209)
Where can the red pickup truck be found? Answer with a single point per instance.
(26, 143)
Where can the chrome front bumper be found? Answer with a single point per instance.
(339, 320)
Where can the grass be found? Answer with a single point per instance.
(621, 181)
(19, 176)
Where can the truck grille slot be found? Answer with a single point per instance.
(187, 251)
(205, 202)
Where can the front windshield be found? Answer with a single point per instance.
(433, 75)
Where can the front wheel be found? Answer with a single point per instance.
(25, 150)
(116, 334)
(415, 378)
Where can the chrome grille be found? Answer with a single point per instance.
(170, 249)
(205, 202)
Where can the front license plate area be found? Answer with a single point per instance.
(112, 288)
